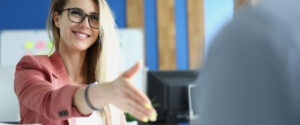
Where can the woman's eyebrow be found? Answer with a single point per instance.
(77, 8)
(96, 13)
(93, 12)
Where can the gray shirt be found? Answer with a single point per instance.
(252, 73)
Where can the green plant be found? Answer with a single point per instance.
(129, 117)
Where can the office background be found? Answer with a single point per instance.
(174, 29)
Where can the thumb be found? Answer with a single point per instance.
(134, 69)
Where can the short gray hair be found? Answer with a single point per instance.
(240, 6)
(249, 2)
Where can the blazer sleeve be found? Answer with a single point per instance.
(36, 92)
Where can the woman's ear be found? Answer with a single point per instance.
(56, 18)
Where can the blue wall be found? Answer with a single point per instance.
(119, 9)
(181, 34)
(32, 14)
(23, 14)
(217, 14)
(151, 34)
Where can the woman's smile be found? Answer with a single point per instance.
(81, 35)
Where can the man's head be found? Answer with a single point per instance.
(239, 5)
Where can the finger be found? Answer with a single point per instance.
(149, 112)
(137, 94)
(138, 107)
(130, 72)
(132, 111)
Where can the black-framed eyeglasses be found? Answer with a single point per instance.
(77, 15)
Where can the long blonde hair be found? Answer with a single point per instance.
(102, 59)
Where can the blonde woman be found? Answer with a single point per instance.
(81, 78)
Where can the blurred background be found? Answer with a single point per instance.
(164, 34)
(173, 29)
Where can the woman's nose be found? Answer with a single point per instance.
(85, 22)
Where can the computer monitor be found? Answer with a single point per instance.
(169, 93)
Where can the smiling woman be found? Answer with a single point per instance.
(56, 90)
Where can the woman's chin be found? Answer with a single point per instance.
(80, 48)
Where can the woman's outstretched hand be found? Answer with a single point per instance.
(122, 94)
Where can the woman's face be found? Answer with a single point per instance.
(77, 36)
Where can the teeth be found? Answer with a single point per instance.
(81, 35)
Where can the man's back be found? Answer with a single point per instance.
(251, 76)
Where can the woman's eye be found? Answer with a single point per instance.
(76, 12)
(94, 17)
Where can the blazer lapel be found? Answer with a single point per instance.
(60, 75)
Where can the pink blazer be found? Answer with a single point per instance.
(44, 91)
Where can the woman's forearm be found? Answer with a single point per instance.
(95, 96)
(79, 102)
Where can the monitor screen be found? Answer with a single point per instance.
(168, 91)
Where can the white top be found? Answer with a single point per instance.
(93, 119)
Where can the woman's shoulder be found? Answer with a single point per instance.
(33, 62)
